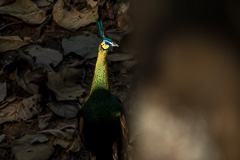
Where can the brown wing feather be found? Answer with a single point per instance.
(124, 128)
(125, 133)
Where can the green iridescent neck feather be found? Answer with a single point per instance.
(100, 79)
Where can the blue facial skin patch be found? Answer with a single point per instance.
(107, 43)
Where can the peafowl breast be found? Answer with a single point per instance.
(102, 125)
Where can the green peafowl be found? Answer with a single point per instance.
(102, 122)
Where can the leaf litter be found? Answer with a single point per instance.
(9, 112)
(20, 109)
(45, 57)
(39, 139)
(43, 3)
(85, 45)
(29, 107)
(8, 43)
(66, 109)
(65, 83)
(21, 81)
(69, 17)
(63, 131)
(25, 10)
(24, 148)
(43, 120)
(65, 136)
(40, 67)
(2, 137)
(3, 91)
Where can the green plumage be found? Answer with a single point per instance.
(101, 114)
(102, 106)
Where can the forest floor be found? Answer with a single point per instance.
(35, 106)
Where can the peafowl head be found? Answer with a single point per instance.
(107, 44)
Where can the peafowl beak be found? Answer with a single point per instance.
(114, 44)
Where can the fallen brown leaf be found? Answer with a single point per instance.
(29, 107)
(64, 83)
(8, 43)
(24, 150)
(66, 109)
(63, 131)
(9, 112)
(25, 10)
(43, 120)
(3, 91)
(74, 19)
(45, 57)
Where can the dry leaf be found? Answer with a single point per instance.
(70, 145)
(63, 131)
(109, 12)
(24, 150)
(75, 147)
(8, 43)
(43, 120)
(45, 57)
(25, 10)
(39, 139)
(92, 3)
(62, 142)
(28, 39)
(6, 102)
(21, 67)
(3, 91)
(2, 137)
(42, 3)
(85, 45)
(66, 109)
(67, 127)
(74, 19)
(29, 107)
(29, 87)
(57, 133)
(37, 76)
(65, 83)
(9, 112)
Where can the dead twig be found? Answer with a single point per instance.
(10, 24)
(40, 28)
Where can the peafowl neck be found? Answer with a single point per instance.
(100, 78)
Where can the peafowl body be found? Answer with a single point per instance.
(102, 123)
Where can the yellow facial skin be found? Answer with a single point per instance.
(104, 47)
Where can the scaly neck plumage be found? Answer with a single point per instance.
(100, 78)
